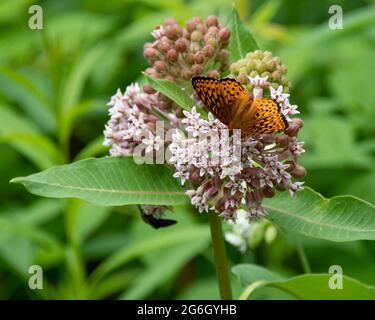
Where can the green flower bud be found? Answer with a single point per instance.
(196, 36)
(261, 63)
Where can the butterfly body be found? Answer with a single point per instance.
(235, 106)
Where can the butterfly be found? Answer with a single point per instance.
(235, 107)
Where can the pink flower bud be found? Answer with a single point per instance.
(208, 51)
(164, 46)
(172, 55)
(299, 171)
(196, 69)
(173, 31)
(213, 74)
(224, 34)
(148, 89)
(169, 22)
(199, 58)
(160, 65)
(150, 53)
(181, 44)
(212, 21)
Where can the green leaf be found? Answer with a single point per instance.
(241, 39)
(307, 286)
(172, 91)
(26, 138)
(162, 271)
(341, 218)
(108, 181)
(73, 114)
(321, 133)
(84, 219)
(92, 149)
(39, 212)
(140, 248)
(18, 87)
(249, 273)
(113, 284)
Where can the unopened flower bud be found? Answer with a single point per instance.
(190, 59)
(148, 89)
(170, 78)
(173, 31)
(224, 34)
(164, 46)
(282, 141)
(170, 22)
(299, 171)
(190, 25)
(186, 74)
(172, 55)
(197, 69)
(196, 36)
(212, 42)
(268, 192)
(152, 72)
(150, 53)
(181, 44)
(213, 74)
(208, 51)
(212, 21)
(212, 30)
(160, 65)
(224, 56)
(294, 127)
(199, 58)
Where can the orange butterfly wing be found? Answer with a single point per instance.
(233, 106)
(267, 118)
(210, 92)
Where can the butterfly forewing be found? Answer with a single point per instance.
(210, 93)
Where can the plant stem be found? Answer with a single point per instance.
(302, 256)
(220, 256)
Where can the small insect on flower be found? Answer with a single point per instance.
(152, 216)
(235, 106)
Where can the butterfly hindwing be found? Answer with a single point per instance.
(267, 118)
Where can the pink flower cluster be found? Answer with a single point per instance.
(227, 172)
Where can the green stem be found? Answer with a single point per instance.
(220, 256)
(302, 256)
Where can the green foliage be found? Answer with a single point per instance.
(108, 182)
(241, 41)
(341, 218)
(307, 286)
(172, 91)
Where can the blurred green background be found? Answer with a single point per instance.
(54, 86)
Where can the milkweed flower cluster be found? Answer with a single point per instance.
(227, 171)
(221, 170)
(130, 120)
(177, 54)
(261, 64)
